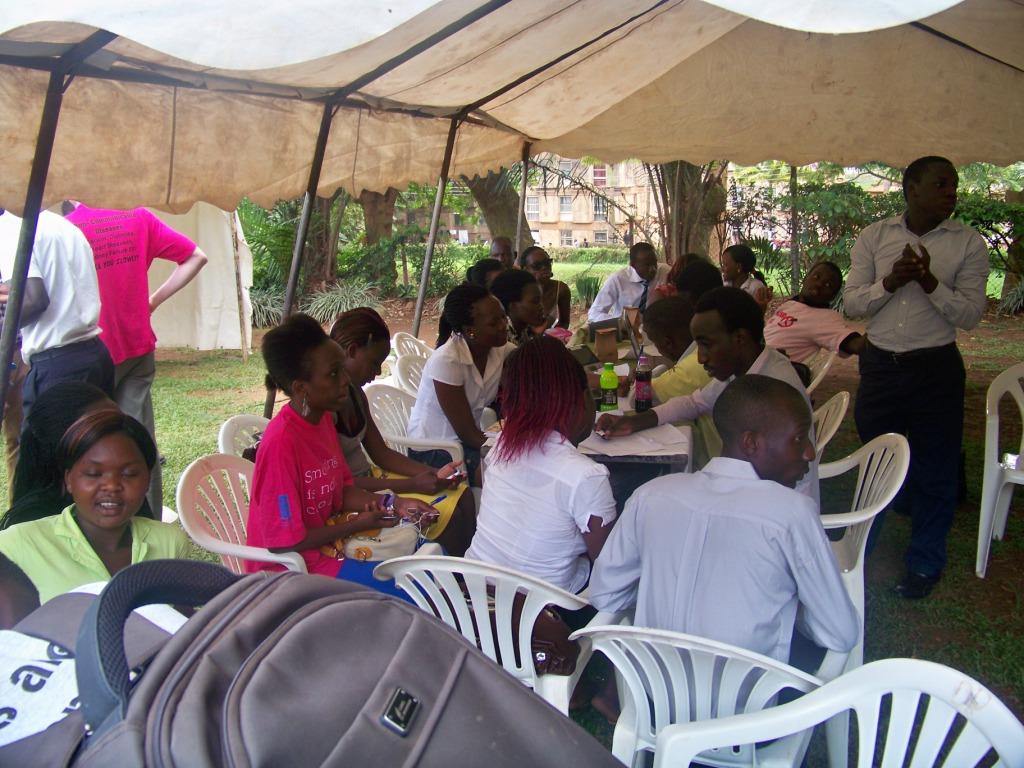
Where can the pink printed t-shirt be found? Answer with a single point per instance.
(298, 483)
(802, 330)
(124, 244)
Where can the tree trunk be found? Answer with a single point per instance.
(379, 213)
(693, 201)
(499, 203)
(1015, 253)
(322, 254)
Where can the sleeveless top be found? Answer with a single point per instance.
(352, 445)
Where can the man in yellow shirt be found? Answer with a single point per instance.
(667, 325)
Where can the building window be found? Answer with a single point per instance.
(600, 175)
(565, 208)
(565, 238)
(565, 166)
(600, 209)
(600, 237)
(532, 207)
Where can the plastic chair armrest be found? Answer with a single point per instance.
(452, 447)
(291, 560)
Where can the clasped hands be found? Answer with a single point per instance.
(911, 267)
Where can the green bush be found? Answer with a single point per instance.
(1013, 302)
(595, 255)
(324, 306)
(585, 288)
(267, 306)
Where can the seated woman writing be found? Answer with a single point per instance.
(519, 294)
(38, 490)
(301, 480)
(366, 340)
(106, 458)
(555, 296)
(546, 509)
(461, 378)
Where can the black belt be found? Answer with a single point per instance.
(46, 354)
(914, 354)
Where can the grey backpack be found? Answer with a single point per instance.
(291, 669)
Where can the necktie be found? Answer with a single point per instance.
(643, 297)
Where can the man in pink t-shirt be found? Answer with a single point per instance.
(806, 323)
(124, 244)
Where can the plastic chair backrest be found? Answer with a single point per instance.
(409, 372)
(909, 710)
(213, 506)
(676, 678)
(828, 418)
(390, 408)
(1006, 383)
(461, 593)
(406, 344)
(239, 432)
(819, 364)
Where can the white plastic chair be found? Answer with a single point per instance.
(406, 344)
(911, 729)
(390, 408)
(435, 584)
(213, 505)
(827, 420)
(409, 373)
(1001, 471)
(670, 677)
(881, 467)
(819, 364)
(239, 432)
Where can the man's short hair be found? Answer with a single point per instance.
(752, 401)
(697, 278)
(737, 309)
(638, 248)
(917, 168)
(669, 313)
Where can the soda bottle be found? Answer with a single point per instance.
(642, 394)
(609, 388)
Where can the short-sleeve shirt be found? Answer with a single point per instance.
(124, 244)
(56, 556)
(534, 511)
(62, 259)
(298, 483)
(452, 363)
(801, 330)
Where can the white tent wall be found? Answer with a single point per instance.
(204, 314)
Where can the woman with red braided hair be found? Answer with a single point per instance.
(546, 509)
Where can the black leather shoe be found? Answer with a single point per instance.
(916, 585)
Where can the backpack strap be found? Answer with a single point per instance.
(102, 668)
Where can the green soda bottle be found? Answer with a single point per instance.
(609, 388)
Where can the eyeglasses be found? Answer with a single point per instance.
(541, 264)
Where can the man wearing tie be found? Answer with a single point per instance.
(630, 286)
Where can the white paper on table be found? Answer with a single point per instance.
(665, 435)
(622, 369)
(627, 445)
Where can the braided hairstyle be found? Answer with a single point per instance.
(458, 310)
(477, 274)
(508, 287)
(542, 390)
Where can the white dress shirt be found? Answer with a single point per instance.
(725, 555)
(623, 289)
(909, 318)
(771, 363)
(62, 259)
(452, 363)
(535, 510)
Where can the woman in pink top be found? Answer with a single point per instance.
(301, 478)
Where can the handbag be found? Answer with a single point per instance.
(374, 544)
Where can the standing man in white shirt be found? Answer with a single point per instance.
(61, 308)
(732, 552)
(728, 329)
(631, 286)
(918, 277)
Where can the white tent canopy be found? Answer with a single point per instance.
(216, 100)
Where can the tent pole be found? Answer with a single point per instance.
(435, 220)
(522, 200)
(303, 229)
(60, 79)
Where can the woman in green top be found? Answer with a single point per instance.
(106, 458)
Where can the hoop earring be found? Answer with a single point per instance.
(305, 407)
